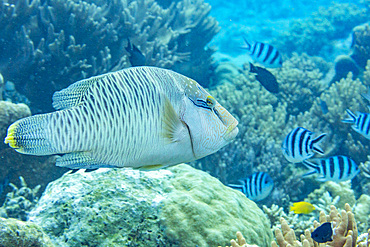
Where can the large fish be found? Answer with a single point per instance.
(142, 117)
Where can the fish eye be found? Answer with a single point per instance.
(210, 101)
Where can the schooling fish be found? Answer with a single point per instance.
(323, 233)
(302, 208)
(136, 57)
(337, 168)
(299, 145)
(256, 187)
(140, 117)
(360, 123)
(266, 78)
(265, 54)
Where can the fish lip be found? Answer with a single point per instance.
(231, 131)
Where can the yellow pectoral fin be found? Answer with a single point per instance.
(174, 129)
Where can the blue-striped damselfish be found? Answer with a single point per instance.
(256, 187)
(336, 168)
(299, 145)
(360, 123)
(265, 54)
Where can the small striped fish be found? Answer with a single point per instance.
(337, 168)
(256, 187)
(265, 54)
(360, 123)
(299, 145)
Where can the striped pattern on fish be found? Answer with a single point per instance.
(360, 123)
(256, 187)
(336, 168)
(299, 145)
(136, 117)
(265, 54)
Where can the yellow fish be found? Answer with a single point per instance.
(302, 207)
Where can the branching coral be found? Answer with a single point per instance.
(345, 232)
(361, 45)
(19, 202)
(300, 81)
(240, 241)
(344, 228)
(314, 34)
(47, 45)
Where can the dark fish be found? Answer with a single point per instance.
(256, 187)
(136, 57)
(324, 107)
(266, 78)
(265, 54)
(337, 168)
(299, 145)
(323, 233)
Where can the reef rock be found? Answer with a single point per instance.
(19, 233)
(179, 206)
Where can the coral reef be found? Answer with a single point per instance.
(240, 241)
(356, 61)
(179, 206)
(301, 81)
(361, 45)
(19, 233)
(315, 35)
(362, 212)
(296, 221)
(47, 45)
(265, 119)
(343, 65)
(344, 227)
(20, 201)
(331, 193)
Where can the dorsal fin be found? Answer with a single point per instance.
(73, 95)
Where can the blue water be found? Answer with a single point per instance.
(263, 21)
(52, 45)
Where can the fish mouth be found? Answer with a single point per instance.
(231, 131)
